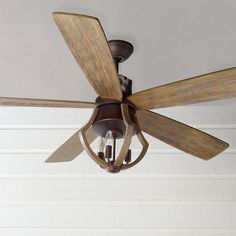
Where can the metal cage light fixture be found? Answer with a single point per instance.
(110, 126)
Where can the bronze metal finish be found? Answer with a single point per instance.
(116, 164)
(120, 49)
(109, 118)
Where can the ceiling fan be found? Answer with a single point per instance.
(120, 114)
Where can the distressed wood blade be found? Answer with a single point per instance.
(209, 87)
(28, 102)
(85, 37)
(181, 136)
(71, 148)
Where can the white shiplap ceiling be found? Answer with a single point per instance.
(173, 40)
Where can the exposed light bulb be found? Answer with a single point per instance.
(109, 142)
(101, 146)
(128, 156)
(109, 138)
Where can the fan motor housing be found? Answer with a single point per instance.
(109, 118)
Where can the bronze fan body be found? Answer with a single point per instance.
(120, 114)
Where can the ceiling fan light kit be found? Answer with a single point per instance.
(119, 114)
(112, 120)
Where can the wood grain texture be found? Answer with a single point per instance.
(71, 148)
(28, 102)
(85, 37)
(181, 136)
(209, 87)
(85, 142)
(128, 136)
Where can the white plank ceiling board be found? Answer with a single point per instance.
(163, 195)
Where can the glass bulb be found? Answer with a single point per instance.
(101, 144)
(109, 144)
(109, 138)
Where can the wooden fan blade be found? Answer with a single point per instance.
(85, 37)
(28, 102)
(71, 148)
(208, 87)
(181, 136)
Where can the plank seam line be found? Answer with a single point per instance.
(123, 177)
(119, 229)
(108, 177)
(135, 151)
(76, 127)
(118, 203)
(115, 203)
